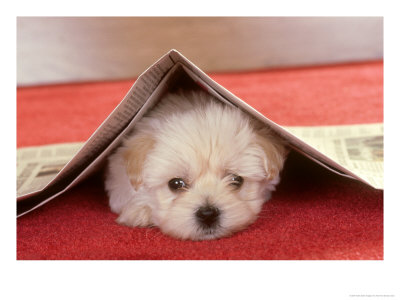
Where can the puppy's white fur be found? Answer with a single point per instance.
(196, 138)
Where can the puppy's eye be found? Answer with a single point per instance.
(236, 181)
(176, 184)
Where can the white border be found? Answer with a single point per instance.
(199, 280)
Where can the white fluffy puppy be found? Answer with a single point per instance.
(196, 168)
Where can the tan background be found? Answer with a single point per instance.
(62, 49)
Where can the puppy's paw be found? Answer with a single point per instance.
(135, 216)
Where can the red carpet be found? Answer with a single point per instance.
(313, 215)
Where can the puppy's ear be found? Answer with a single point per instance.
(135, 155)
(275, 153)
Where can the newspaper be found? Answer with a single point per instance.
(358, 148)
(42, 178)
(37, 166)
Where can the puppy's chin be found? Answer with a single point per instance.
(197, 234)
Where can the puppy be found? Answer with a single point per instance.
(196, 168)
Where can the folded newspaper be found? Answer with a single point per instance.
(43, 173)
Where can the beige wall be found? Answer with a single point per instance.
(54, 50)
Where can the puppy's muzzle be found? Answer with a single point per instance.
(207, 216)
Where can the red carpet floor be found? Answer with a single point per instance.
(313, 215)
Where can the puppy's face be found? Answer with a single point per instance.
(207, 203)
(208, 174)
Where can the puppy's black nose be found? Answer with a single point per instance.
(207, 215)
